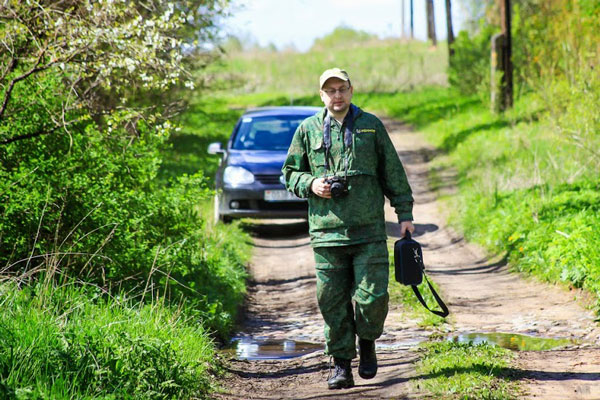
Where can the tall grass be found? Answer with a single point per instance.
(75, 342)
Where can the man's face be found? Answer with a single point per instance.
(336, 94)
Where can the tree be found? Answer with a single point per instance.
(431, 22)
(106, 53)
(449, 27)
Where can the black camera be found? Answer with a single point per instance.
(339, 186)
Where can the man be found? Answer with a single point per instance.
(346, 219)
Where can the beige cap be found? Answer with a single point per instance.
(333, 73)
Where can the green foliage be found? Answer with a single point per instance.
(469, 68)
(86, 92)
(88, 209)
(77, 342)
(466, 371)
(206, 120)
(108, 55)
(78, 173)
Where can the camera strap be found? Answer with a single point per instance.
(349, 123)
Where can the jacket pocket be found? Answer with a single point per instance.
(316, 157)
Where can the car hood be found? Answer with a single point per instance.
(258, 161)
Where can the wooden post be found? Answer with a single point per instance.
(496, 72)
(449, 27)
(431, 23)
(507, 76)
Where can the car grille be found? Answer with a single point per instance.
(267, 179)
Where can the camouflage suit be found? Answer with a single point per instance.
(348, 234)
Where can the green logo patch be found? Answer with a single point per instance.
(368, 130)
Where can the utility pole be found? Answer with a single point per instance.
(431, 23)
(402, 29)
(449, 26)
(502, 85)
(412, 20)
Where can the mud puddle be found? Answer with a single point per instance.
(513, 341)
(248, 348)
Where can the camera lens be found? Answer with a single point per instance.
(337, 189)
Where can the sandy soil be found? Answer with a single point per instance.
(480, 292)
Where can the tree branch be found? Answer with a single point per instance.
(12, 83)
(28, 136)
(38, 133)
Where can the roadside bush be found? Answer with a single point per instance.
(87, 203)
(469, 68)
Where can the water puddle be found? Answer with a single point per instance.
(247, 348)
(512, 341)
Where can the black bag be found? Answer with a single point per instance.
(410, 269)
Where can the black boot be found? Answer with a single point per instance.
(342, 375)
(367, 367)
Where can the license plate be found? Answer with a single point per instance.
(280, 195)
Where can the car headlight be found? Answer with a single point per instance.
(235, 176)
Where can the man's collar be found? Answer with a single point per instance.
(356, 111)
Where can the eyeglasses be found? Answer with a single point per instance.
(332, 92)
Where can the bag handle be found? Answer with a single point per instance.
(444, 313)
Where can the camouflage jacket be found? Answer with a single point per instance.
(374, 170)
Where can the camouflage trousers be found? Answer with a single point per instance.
(352, 274)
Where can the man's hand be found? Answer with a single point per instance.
(406, 225)
(320, 188)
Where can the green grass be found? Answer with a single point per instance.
(74, 341)
(452, 370)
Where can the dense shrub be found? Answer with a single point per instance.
(469, 68)
(86, 203)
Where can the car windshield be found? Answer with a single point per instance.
(266, 133)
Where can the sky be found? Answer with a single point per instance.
(300, 22)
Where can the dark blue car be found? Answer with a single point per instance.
(249, 182)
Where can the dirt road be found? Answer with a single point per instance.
(482, 295)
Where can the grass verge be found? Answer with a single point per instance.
(452, 370)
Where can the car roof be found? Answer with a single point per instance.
(281, 110)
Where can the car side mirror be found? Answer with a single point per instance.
(216, 148)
